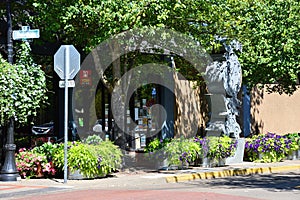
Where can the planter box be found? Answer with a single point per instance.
(292, 155)
(209, 162)
(239, 153)
(76, 175)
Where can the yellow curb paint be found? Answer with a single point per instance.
(229, 172)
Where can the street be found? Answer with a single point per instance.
(152, 185)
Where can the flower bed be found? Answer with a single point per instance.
(182, 152)
(270, 147)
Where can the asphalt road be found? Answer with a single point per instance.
(279, 186)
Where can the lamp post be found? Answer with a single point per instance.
(9, 33)
(9, 170)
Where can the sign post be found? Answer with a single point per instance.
(66, 65)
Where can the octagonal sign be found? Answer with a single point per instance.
(67, 62)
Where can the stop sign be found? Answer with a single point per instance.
(67, 62)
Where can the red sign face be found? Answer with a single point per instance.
(85, 77)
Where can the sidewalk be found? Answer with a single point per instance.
(244, 168)
(139, 180)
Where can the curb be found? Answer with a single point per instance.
(229, 172)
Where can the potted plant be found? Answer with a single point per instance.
(178, 153)
(216, 149)
(155, 152)
(181, 152)
(89, 160)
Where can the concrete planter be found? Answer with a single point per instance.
(77, 175)
(292, 155)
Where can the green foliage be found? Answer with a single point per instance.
(294, 141)
(157, 144)
(48, 149)
(92, 160)
(180, 151)
(22, 87)
(110, 155)
(79, 158)
(268, 30)
(93, 139)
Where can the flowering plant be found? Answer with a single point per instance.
(181, 151)
(273, 147)
(178, 151)
(217, 147)
(32, 164)
(294, 141)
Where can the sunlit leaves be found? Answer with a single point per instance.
(268, 30)
(22, 87)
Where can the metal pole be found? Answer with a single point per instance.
(67, 66)
(9, 33)
(9, 170)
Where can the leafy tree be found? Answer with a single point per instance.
(22, 87)
(268, 30)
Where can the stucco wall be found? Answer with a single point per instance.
(274, 112)
(191, 108)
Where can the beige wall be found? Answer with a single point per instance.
(191, 108)
(274, 112)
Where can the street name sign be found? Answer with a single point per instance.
(70, 83)
(25, 33)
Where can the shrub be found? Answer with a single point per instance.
(178, 151)
(91, 160)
